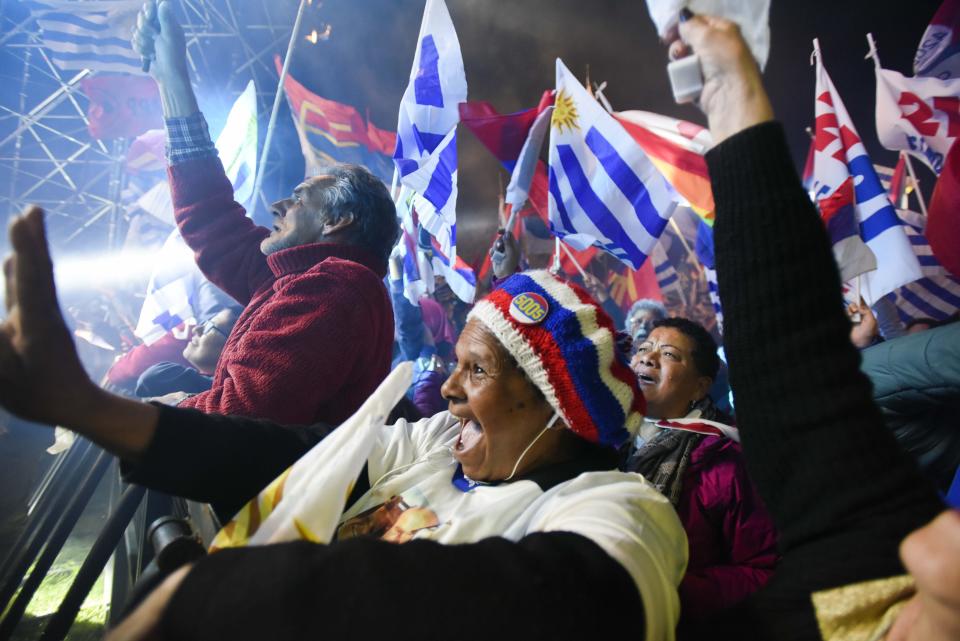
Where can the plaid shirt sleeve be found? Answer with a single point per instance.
(188, 138)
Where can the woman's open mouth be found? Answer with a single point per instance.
(470, 433)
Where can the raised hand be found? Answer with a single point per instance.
(864, 331)
(41, 378)
(733, 97)
(505, 255)
(159, 38)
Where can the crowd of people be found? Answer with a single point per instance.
(546, 471)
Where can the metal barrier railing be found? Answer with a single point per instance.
(64, 495)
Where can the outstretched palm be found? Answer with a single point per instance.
(41, 378)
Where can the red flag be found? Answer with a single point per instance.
(146, 152)
(898, 182)
(332, 132)
(381, 140)
(122, 106)
(943, 215)
(502, 134)
(633, 284)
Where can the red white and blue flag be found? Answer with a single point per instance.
(853, 202)
(938, 55)
(922, 117)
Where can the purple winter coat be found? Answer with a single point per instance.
(731, 536)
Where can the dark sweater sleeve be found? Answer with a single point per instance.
(814, 440)
(223, 460)
(546, 586)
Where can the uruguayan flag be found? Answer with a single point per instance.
(426, 153)
(604, 191)
(89, 34)
(415, 263)
(841, 163)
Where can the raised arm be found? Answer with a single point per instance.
(226, 242)
(214, 458)
(842, 493)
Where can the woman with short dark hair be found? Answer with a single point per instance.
(697, 463)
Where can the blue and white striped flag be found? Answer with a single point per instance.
(415, 263)
(937, 294)
(426, 153)
(714, 290)
(89, 34)
(604, 191)
(666, 274)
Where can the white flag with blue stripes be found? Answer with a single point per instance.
(426, 152)
(937, 294)
(89, 34)
(604, 191)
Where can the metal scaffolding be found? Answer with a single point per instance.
(47, 155)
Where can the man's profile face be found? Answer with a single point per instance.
(297, 220)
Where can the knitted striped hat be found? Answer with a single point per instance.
(566, 344)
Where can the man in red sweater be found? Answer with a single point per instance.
(315, 338)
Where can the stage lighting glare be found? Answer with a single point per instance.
(92, 272)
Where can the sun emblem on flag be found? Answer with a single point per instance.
(564, 112)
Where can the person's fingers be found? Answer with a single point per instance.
(143, 45)
(678, 49)
(36, 293)
(168, 22)
(9, 279)
(145, 24)
(693, 30)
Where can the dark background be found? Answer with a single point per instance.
(509, 50)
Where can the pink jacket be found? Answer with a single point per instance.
(731, 535)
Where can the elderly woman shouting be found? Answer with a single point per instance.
(697, 463)
(518, 524)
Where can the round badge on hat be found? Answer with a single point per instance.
(529, 308)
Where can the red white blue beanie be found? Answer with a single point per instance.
(566, 345)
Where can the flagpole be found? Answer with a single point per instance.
(913, 179)
(690, 253)
(576, 263)
(872, 53)
(276, 101)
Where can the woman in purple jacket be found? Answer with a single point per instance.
(695, 460)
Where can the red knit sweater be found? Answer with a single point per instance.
(316, 336)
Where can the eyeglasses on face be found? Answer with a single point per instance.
(209, 326)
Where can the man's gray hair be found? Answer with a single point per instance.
(353, 189)
(647, 305)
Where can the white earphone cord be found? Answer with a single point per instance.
(550, 424)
